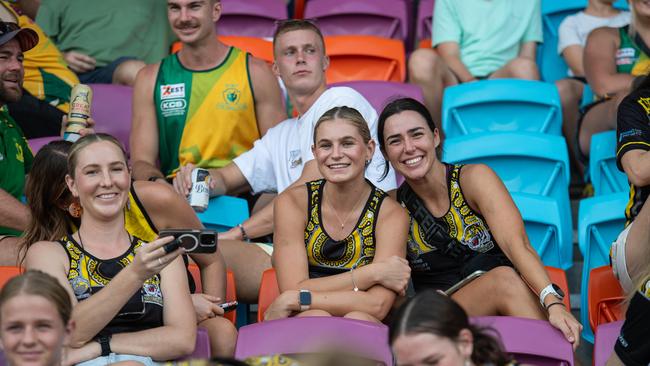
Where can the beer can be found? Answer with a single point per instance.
(200, 193)
(80, 101)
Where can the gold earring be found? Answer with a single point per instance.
(75, 210)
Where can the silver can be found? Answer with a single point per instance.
(200, 194)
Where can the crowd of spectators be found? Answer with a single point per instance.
(326, 210)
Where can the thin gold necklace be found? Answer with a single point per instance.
(342, 222)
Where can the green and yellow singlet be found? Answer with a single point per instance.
(632, 56)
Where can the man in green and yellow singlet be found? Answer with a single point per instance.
(204, 105)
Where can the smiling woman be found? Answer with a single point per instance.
(334, 253)
(118, 283)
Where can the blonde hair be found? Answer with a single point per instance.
(351, 115)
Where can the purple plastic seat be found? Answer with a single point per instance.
(202, 346)
(252, 18)
(37, 143)
(424, 25)
(530, 341)
(382, 18)
(111, 110)
(314, 334)
(605, 339)
(379, 93)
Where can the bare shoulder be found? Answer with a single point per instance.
(293, 198)
(48, 253)
(146, 76)
(153, 194)
(603, 34)
(477, 175)
(392, 211)
(258, 66)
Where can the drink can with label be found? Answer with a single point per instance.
(200, 193)
(80, 99)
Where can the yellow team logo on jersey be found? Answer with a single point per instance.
(20, 156)
(645, 103)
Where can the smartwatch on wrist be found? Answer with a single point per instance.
(104, 342)
(551, 289)
(305, 300)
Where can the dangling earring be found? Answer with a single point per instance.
(75, 210)
(367, 162)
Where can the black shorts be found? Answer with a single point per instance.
(104, 74)
(632, 345)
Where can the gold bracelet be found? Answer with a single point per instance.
(354, 284)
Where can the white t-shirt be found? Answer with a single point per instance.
(277, 159)
(574, 29)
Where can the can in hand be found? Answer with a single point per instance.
(80, 99)
(200, 193)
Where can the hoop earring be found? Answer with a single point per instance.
(75, 210)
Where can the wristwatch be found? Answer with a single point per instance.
(305, 300)
(104, 342)
(551, 289)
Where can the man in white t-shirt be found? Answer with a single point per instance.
(572, 37)
(283, 156)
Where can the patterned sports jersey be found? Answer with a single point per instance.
(204, 117)
(327, 256)
(632, 56)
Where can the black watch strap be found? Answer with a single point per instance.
(105, 342)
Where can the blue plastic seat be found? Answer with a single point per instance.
(532, 163)
(603, 172)
(224, 212)
(600, 220)
(503, 105)
(547, 231)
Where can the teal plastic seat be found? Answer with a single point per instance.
(502, 105)
(224, 212)
(603, 172)
(532, 163)
(600, 220)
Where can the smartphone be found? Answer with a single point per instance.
(191, 240)
(463, 282)
(228, 306)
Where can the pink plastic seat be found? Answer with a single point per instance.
(380, 93)
(111, 110)
(37, 143)
(606, 335)
(252, 18)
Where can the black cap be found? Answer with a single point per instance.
(26, 37)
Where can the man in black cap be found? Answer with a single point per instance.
(15, 155)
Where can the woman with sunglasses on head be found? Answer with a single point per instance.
(150, 208)
(463, 220)
(117, 282)
(339, 241)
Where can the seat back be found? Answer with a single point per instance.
(381, 18)
(201, 347)
(600, 220)
(547, 228)
(231, 291)
(606, 336)
(252, 18)
(269, 290)
(7, 273)
(258, 47)
(605, 297)
(379, 59)
(36, 144)
(424, 25)
(380, 93)
(530, 341)
(224, 212)
(558, 277)
(603, 172)
(503, 105)
(111, 110)
(314, 334)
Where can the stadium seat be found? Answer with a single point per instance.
(424, 25)
(258, 47)
(269, 290)
(603, 172)
(378, 59)
(379, 93)
(314, 334)
(37, 143)
(381, 18)
(111, 110)
(201, 347)
(252, 18)
(549, 233)
(605, 297)
(605, 339)
(600, 220)
(231, 291)
(7, 273)
(530, 341)
(502, 105)
(224, 212)
(558, 277)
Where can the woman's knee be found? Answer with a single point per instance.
(360, 315)
(507, 281)
(314, 312)
(222, 334)
(570, 92)
(422, 64)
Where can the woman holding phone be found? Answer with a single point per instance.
(463, 220)
(117, 282)
(339, 241)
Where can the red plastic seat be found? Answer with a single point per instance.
(258, 47)
(7, 273)
(605, 297)
(231, 290)
(558, 277)
(269, 290)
